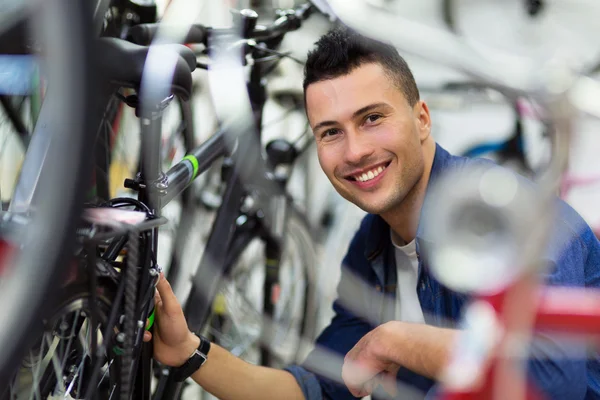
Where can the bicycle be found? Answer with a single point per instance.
(112, 278)
(254, 221)
(237, 317)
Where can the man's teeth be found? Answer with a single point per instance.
(367, 176)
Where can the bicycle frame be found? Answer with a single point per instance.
(560, 310)
(229, 236)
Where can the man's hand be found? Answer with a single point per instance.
(369, 364)
(173, 341)
(421, 348)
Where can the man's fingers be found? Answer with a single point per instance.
(358, 392)
(388, 382)
(157, 299)
(170, 304)
(357, 377)
(147, 336)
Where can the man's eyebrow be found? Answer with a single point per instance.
(323, 125)
(368, 108)
(355, 114)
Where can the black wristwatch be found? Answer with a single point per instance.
(196, 360)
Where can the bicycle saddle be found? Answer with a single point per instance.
(122, 63)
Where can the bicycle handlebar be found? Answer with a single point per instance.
(289, 20)
(143, 34)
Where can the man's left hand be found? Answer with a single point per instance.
(368, 364)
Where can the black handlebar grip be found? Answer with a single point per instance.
(197, 34)
(143, 34)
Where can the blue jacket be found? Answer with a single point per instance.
(368, 281)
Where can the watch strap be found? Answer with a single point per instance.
(194, 362)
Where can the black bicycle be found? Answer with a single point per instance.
(91, 343)
(257, 206)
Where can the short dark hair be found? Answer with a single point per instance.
(342, 50)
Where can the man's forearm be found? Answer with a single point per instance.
(230, 378)
(423, 349)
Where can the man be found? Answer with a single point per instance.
(374, 143)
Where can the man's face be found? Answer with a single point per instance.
(369, 139)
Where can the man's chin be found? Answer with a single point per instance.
(373, 207)
(370, 204)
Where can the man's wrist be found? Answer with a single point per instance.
(188, 348)
(390, 340)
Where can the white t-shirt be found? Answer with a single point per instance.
(408, 307)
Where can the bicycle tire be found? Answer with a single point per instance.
(299, 231)
(42, 258)
(453, 13)
(309, 319)
(73, 297)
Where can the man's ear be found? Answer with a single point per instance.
(423, 119)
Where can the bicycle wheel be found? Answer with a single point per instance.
(117, 154)
(237, 319)
(535, 29)
(59, 363)
(36, 233)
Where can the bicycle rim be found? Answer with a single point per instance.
(59, 365)
(237, 310)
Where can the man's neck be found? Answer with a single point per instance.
(404, 219)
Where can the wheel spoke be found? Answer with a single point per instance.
(112, 392)
(35, 372)
(71, 335)
(80, 373)
(105, 372)
(57, 369)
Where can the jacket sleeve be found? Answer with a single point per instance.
(320, 374)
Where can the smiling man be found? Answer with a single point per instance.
(374, 143)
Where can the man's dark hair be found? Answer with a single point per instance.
(342, 50)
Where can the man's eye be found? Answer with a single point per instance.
(372, 118)
(330, 132)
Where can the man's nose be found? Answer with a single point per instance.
(358, 148)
